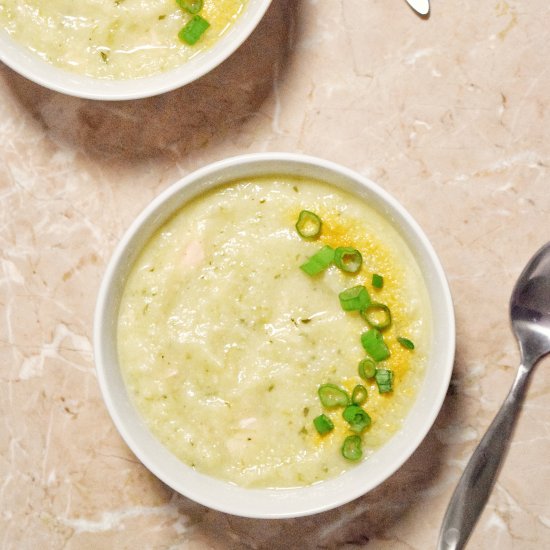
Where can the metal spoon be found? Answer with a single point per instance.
(530, 316)
(420, 6)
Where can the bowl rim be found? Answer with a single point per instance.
(29, 65)
(221, 495)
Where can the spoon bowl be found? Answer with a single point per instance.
(530, 308)
(530, 318)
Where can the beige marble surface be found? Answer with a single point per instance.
(451, 114)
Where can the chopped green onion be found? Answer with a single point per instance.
(377, 281)
(190, 6)
(193, 30)
(357, 418)
(348, 259)
(377, 315)
(333, 396)
(405, 342)
(308, 225)
(374, 344)
(359, 395)
(355, 298)
(384, 379)
(351, 449)
(323, 424)
(367, 368)
(319, 261)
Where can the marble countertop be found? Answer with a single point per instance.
(450, 114)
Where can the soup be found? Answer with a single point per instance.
(224, 341)
(114, 39)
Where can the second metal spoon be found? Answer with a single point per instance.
(530, 316)
(420, 6)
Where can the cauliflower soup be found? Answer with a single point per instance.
(118, 39)
(229, 343)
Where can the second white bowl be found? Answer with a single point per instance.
(273, 503)
(29, 65)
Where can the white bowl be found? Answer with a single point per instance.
(273, 503)
(29, 65)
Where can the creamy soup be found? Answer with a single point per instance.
(224, 341)
(113, 38)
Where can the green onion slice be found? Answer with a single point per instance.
(374, 344)
(355, 298)
(357, 418)
(377, 315)
(377, 280)
(351, 449)
(308, 225)
(359, 395)
(348, 259)
(333, 396)
(193, 30)
(190, 6)
(367, 368)
(319, 261)
(405, 342)
(384, 380)
(323, 424)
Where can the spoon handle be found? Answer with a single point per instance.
(477, 480)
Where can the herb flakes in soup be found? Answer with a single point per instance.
(246, 366)
(118, 39)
